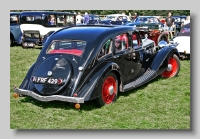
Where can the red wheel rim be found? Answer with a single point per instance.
(168, 74)
(109, 89)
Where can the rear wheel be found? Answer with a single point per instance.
(108, 88)
(173, 67)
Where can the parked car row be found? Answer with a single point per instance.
(31, 28)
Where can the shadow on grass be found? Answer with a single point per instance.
(140, 87)
(87, 106)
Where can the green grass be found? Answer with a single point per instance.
(160, 104)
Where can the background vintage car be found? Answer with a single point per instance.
(15, 30)
(152, 27)
(183, 39)
(93, 62)
(147, 19)
(114, 19)
(35, 25)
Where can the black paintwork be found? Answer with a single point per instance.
(83, 82)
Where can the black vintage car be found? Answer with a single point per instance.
(95, 62)
(115, 19)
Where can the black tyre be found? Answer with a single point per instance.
(174, 69)
(108, 88)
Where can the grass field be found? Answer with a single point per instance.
(160, 104)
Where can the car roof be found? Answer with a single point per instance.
(92, 15)
(146, 16)
(45, 12)
(94, 35)
(179, 16)
(84, 31)
(116, 15)
(15, 12)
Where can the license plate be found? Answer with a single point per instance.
(28, 44)
(42, 80)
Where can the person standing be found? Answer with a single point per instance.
(135, 17)
(86, 18)
(78, 18)
(169, 23)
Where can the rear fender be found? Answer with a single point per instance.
(27, 78)
(88, 91)
(162, 56)
(47, 36)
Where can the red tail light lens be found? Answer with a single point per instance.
(60, 81)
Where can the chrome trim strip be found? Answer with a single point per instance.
(49, 98)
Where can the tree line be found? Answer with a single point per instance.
(106, 12)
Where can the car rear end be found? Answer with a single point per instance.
(31, 38)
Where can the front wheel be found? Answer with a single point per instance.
(173, 67)
(108, 88)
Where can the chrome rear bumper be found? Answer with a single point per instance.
(49, 98)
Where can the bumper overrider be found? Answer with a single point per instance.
(48, 98)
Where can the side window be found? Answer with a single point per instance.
(51, 20)
(69, 19)
(119, 18)
(106, 48)
(60, 20)
(121, 42)
(135, 40)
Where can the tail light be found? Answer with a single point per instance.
(60, 81)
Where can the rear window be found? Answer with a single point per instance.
(31, 19)
(73, 47)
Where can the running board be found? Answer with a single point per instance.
(148, 75)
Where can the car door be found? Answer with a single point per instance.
(124, 57)
(137, 58)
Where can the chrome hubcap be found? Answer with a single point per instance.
(111, 90)
(169, 68)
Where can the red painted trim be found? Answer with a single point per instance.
(69, 51)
